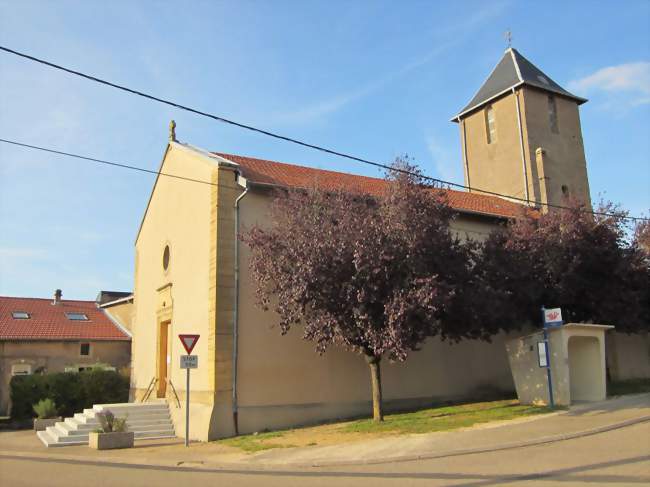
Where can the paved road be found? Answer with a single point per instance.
(619, 457)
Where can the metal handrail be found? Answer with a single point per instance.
(149, 390)
(178, 401)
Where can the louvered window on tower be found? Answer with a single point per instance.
(552, 114)
(490, 124)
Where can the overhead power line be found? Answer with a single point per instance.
(159, 173)
(289, 139)
(107, 163)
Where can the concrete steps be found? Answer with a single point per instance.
(147, 420)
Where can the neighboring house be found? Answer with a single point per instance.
(520, 136)
(118, 305)
(56, 335)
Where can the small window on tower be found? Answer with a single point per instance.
(552, 114)
(490, 124)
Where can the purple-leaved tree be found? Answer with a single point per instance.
(573, 259)
(376, 274)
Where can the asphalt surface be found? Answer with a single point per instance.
(616, 457)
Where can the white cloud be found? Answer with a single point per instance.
(631, 80)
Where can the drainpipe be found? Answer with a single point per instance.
(463, 135)
(521, 146)
(241, 181)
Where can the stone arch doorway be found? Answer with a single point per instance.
(585, 371)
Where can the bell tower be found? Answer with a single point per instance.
(521, 136)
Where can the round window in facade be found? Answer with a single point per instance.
(165, 259)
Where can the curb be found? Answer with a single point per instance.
(244, 468)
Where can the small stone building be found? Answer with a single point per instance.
(56, 335)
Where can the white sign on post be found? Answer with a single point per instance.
(541, 354)
(189, 361)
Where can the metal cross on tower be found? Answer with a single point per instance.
(508, 36)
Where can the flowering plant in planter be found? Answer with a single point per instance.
(46, 412)
(112, 433)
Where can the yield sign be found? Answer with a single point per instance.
(189, 341)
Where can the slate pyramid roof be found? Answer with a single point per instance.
(514, 70)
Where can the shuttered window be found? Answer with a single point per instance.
(490, 124)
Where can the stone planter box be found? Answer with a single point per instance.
(42, 424)
(109, 441)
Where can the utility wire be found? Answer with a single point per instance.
(158, 173)
(108, 163)
(292, 140)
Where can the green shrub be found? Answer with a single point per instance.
(45, 408)
(110, 424)
(71, 391)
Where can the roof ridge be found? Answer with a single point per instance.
(89, 301)
(223, 154)
(516, 63)
(374, 178)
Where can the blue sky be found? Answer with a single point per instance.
(376, 79)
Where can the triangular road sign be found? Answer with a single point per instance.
(188, 342)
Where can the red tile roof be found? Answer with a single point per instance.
(49, 322)
(291, 175)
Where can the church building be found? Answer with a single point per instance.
(520, 137)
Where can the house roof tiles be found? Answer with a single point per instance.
(48, 321)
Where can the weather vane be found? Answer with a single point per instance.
(508, 36)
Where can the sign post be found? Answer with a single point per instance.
(188, 362)
(551, 318)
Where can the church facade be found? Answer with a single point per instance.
(520, 136)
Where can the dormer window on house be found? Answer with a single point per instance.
(490, 124)
(20, 315)
(552, 114)
(76, 316)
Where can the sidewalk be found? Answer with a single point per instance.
(582, 420)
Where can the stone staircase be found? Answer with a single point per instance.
(147, 420)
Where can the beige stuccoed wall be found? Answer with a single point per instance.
(496, 166)
(563, 161)
(628, 356)
(284, 382)
(181, 214)
(122, 313)
(474, 227)
(530, 379)
(55, 356)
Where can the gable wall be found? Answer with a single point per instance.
(122, 313)
(179, 214)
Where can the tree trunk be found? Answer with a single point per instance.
(375, 376)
